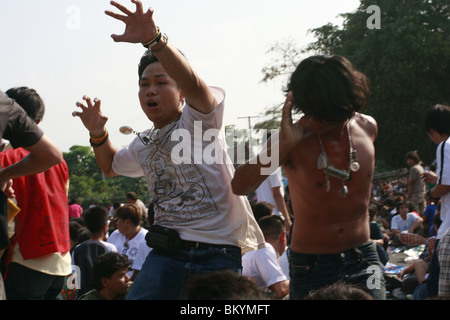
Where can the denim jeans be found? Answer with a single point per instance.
(163, 275)
(359, 265)
(23, 283)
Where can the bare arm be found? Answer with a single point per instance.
(43, 155)
(140, 28)
(93, 119)
(281, 289)
(415, 225)
(248, 177)
(281, 205)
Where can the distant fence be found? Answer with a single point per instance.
(390, 174)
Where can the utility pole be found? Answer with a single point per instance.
(249, 126)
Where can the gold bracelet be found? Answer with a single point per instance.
(158, 33)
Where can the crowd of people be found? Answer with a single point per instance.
(313, 240)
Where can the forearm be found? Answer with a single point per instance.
(281, 289)
(249, 176)
(104, 155)
(439, 190)
(196, 91)
(43, 155)
(281, 204)
(416, 224)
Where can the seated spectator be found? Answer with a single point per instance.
(109, 278)
(405, 221)
(84, 254)
(263, 264)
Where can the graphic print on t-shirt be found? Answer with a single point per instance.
(179, 192)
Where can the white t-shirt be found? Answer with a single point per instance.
(263, 266)
(403, 225)
(193, 196)
(265, 192)
(443, 173)
(129, 248)
(142, 253)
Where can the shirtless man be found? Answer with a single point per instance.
(330, 185)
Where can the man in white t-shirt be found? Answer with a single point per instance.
(263, 265)
(185, 162)
(272, 191)
(405, 221)
(437, 124)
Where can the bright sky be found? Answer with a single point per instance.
(63, 49)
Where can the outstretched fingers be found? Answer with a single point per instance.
(139, 6)
(122, 8)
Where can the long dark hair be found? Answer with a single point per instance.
(328, 88)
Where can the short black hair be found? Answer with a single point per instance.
(437, 117)
(95, 218)
(272, 226)
(147, 59)
(105, 265)
(29, 100)
(328, 88)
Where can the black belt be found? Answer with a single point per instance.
(189, 245)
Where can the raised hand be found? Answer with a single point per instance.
(91, 115)
(139, 25)
(290, 133)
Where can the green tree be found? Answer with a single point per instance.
(87, 182)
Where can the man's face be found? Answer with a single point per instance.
(410, 162)
(403, 210)
(118, 283)
(160, 98)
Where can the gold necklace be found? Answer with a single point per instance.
(341, 174)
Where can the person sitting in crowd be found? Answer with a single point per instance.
(263, 264)
(109, 278)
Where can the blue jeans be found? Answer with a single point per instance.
(163, 275)
(359, 265)
(23, 283)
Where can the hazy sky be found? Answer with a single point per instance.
(63, 49)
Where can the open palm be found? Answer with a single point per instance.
(139, 25)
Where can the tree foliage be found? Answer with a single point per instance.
(407, 61)
(88, 183)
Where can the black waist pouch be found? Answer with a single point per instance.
(163, 239)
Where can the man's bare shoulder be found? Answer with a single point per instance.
(367, 123)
